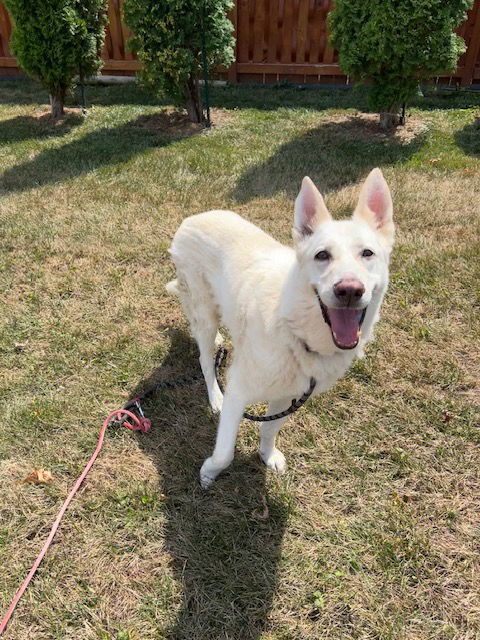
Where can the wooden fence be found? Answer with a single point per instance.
(287, 39)
(117, 59)
(282, 40)
(275, 40)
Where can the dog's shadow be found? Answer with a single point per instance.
(225, 542)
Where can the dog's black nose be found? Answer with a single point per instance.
(349, 290)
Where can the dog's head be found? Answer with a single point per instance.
(345, 261)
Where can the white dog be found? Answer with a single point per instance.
(292, 314)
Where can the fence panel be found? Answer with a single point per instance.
(275, 40)
(278, 38)
(117, 58)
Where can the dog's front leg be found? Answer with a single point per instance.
(271, 456)
(232, 412)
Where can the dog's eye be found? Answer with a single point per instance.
(367, 253)
(323, 255)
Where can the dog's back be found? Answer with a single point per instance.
(215, 237)
(219, 257)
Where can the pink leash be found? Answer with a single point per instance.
(139, 424)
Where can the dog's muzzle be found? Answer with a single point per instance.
(345, 323)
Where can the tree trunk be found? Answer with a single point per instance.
(57, 102)
(389, 120)
(193, 100)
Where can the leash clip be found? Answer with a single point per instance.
(144, 424)
(133, 411)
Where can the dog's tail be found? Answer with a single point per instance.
(172, 287)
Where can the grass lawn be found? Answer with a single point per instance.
(373, 533)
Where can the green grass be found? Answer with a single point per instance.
(373, 532)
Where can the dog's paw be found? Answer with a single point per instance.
(275, 460)
(205, 480)
(208, 473)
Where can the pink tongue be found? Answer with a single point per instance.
(345, 325)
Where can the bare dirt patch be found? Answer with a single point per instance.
(175, 122)
(44, 116)
(366, 126)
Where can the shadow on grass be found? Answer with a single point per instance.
(271, 98)
(447, 98)
(24, 91)
(224, 554)
(337, 153)
(322, 97)
(41, 127)
(21, 90)
(468, 138)
(105, 146)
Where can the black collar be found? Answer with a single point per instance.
(307, 348)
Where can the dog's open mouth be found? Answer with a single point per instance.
(345, 324)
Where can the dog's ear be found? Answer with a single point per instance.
(310, 210)
(375, 206)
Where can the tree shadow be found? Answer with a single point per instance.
(102, 147)
(447, 98)
(30, 127)
(330, 96)
(224, 547)
(274, 97)
(468, 138)
(20, 90)
(337, 153)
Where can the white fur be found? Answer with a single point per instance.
(229, 272)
